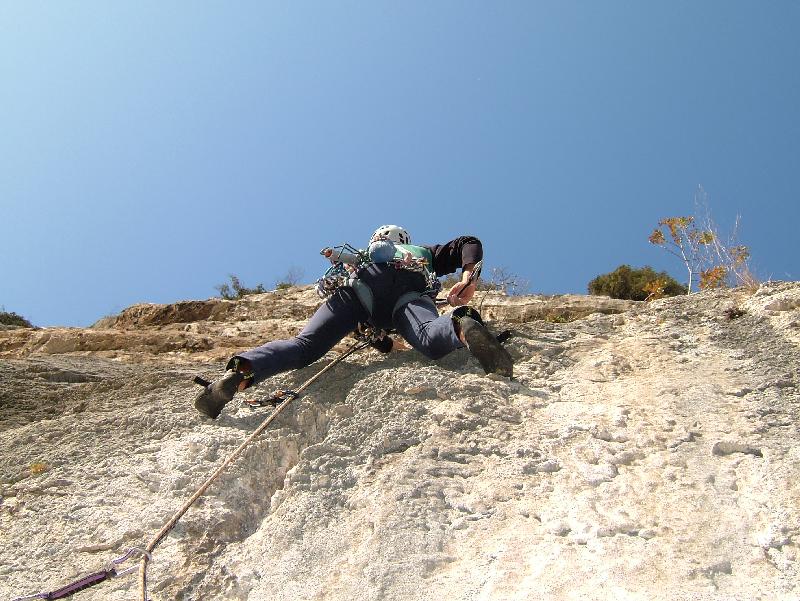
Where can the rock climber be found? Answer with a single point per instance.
(389, 287)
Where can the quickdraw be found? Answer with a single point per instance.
(277, 397)
(345, 261)
(365, 336)
(110, 571)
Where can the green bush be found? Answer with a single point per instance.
(12, 319)
(629, 283)
(236, 289)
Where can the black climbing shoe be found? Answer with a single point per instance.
(217, 394)
(504, 336)
(485, 347)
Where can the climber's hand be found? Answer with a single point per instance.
(461, 294)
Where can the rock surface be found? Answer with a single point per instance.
(643, 451)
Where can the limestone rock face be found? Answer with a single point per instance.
(642, 451)
(214, 329)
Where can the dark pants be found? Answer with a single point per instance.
(417, 322)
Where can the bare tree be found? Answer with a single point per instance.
(709, 259)
(293, 277)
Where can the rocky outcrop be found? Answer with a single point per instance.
(215, 328)
(559, 308)
(643, 451)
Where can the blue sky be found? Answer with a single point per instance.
(149, 149)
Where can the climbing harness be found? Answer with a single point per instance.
(287, 398)
(110, 571)
(347, 260)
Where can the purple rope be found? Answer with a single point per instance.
(89, 580)
(81, 584)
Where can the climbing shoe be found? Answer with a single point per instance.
(485, 347)
(217, 394)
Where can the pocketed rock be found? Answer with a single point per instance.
(650, 454)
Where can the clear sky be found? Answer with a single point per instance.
(149, 149)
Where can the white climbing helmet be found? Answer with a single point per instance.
(391, 232)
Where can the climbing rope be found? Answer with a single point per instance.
(280, 400)
(287, 397)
